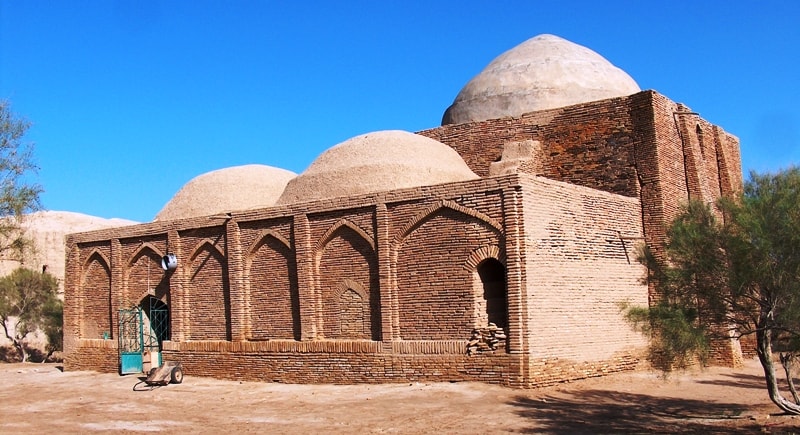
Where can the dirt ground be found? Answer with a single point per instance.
(43, 399)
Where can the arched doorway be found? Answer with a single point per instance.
(156, 320)
(156, 327)
(142, 331)
(492, 275)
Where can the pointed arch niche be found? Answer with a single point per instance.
(146, 277)
(274, 297)
(96, 298)
(208, 296)
(435, 292)
(347, 273)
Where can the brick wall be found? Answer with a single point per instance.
(391, 289)
(589, 144)
(385, 286)
(643, 145)
(348, 288)
(427, 293)
(96, 315)
(581, 265)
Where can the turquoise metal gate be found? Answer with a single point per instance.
(131, 339)
(156, 329)
(142, 332)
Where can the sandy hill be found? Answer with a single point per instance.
(48, 230)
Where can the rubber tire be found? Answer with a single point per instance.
(176, 376)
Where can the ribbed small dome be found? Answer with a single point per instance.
(375, 162)
(544, 72)
(229, 189)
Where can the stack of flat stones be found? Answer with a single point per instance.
(489, 339)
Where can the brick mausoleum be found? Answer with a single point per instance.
(495, 248)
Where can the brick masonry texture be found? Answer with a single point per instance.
(388, 286)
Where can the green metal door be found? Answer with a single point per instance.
(156, 328)
(131, 341)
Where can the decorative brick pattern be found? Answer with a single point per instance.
(388, 286)
(96, 295)
(274, 305)
(431, 284)
(348, 287)
(209, 296)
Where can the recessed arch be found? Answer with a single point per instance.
(157, 319)
(95, 303)
(346, 269)
(96, 255)
(484, 252)
(144, 276)
(428, 212)
(208, 294)
(262, 238)
(332, 231)
(144, 247)
(349, 284)
(271, 288)
(201, 245)
(432, 284)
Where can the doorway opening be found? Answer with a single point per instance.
(492, 274)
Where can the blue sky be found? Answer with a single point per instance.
(131, 99)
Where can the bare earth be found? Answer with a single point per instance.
(41, 399)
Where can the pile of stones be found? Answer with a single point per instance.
(489, 339)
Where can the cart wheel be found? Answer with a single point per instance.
(176, 376)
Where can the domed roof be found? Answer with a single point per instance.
(544, 72)
(374, 162)
(228, 189)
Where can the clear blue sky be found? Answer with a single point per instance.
(131, 99)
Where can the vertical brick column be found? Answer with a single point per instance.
(728, 162)
(383, 248)
(119, 298)
(240, 318)
(74, 305)
(692, 155)
(515, 270)
(516, 284)
(179, 311)
(304, 258)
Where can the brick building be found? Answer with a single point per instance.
(496, 247)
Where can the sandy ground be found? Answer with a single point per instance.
(41, 399)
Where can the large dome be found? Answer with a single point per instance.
(224, 190)
(544, 72)
(375, 162)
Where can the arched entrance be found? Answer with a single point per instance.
(156, 315)
(156, 326)
(492, 275)
(143, 330)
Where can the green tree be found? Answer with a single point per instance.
(18, 195)
(28, 303)
(53, 326)
(732, 277)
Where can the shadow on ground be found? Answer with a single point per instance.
(9, 354)
(739, 381)
(603, 411)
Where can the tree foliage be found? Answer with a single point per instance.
(18, 195)
(732, 277)
(28, 303)
(53, 326)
